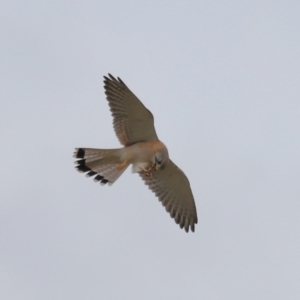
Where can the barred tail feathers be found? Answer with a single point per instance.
(101, 163)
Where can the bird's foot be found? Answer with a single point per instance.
(148, 172)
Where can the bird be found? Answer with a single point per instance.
(133, 124)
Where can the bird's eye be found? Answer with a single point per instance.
(159, 162)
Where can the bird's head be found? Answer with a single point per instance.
(161, 159)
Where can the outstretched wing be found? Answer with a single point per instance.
(172, 188)
(132, 121)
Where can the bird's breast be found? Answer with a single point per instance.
(142, 152)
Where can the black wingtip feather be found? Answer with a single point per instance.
(91, 173)
(112, 78)
(81, 162)
(82, 168)
(98, 178)
(80, 153)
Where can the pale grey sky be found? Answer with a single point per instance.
(222, 80)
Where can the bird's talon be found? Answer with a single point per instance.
(148, 172)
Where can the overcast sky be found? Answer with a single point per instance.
(222, 81)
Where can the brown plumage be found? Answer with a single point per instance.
(134, 126)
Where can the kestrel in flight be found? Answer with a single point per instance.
(134, 127)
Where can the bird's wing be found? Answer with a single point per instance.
(132, 121)
(172, 188)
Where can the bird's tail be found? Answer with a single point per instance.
(104, 164)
